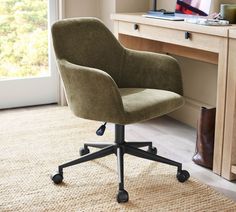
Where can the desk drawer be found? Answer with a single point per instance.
(173, 36)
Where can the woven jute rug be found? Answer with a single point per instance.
(35, 141)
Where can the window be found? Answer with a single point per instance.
(24, 38)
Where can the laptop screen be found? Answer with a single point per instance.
(193, 7)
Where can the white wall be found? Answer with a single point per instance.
(77, 8)
(200, 80)
(107, 7)
(132, 5)
(199, 85)
(103, 8)
(166, 4)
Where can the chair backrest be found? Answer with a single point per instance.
(87, 42)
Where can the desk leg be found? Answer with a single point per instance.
(220, 106)
(229, 146)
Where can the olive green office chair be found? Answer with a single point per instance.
(106, 82)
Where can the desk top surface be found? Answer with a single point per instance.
(180, 25)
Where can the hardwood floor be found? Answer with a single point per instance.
(176, 141)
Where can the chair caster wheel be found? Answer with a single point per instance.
(122, 196)
(152, 150)
(57, 178)
(182, 176)
(83, 151)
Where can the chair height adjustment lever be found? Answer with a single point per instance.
(100, 131)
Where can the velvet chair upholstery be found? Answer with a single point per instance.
(105, 81)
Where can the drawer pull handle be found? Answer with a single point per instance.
(187, 35)
(136, 27)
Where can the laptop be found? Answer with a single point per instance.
(184, 9)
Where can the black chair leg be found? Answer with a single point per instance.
(182, 175)
(146, 155)
(140, 144)
(122, 195)
(57, 177)
(150, 149)
(97, 145)
(99, 154)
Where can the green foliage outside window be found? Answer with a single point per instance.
(23, 38)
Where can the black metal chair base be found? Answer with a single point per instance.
(120, 148)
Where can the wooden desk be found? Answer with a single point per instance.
(205, 43)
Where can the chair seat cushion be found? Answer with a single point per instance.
(142, 104)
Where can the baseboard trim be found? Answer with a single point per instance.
(189, 113)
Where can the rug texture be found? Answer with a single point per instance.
(34, 141)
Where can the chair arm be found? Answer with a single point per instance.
(91, 93)
(151, 70)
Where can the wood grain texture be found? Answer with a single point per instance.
(220, 106)
(233, 169)
(229, 148)
(139, 43)
(196, 40)
(196, 54)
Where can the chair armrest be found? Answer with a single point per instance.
(91, 93)
(151, 70)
